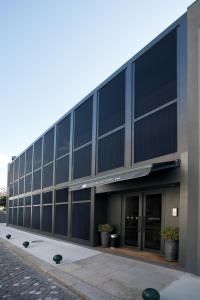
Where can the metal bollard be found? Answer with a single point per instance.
(150, 294)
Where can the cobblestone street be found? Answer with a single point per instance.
(20, 281)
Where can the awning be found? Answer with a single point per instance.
(124, 175)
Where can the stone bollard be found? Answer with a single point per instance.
(150, 294)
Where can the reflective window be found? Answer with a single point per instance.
(63, 137)
(62, 195)
(10, 174)
(21, 185)
(83, 123)
(11, 190)
(82, 162)
(29, 154)
(21, 216)
(15, 216)
(28, 200)
(37, 180)
(156, 134)
(37, 155)
(22, 165)
(16, 169)
(48, 175)
(81, 195)
(21, 202)
(81, 221)
(36, 217)
(16, 188)
(10, 211)
(62, 169)
(47, 218)
(111, 151)
(36, 199)
(15, 202)
(61, 219)
(112, 104)
(28, 183)
(27, 216)
(47, 198)
(49, 146)
(156, 75)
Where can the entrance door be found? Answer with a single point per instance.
(143, 221)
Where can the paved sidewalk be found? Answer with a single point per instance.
(96, 275)
(19, 281)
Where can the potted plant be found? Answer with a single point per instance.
(171, 236)
(105, 231)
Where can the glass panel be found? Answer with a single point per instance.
(47, 198)
(83, 123)
(61, 219)
(15, 216)
(82, 162)
(63, 137)
(27, 216)
(156, 75)
(131, 222)
(16, 202)
(29, 154)
(10, 203)
(111, 151)
(81, 221)
(156, 134)
(153, 221)
(22, 165)
(21, 185)
(81, 195)
(37, 154)
(36, 217)
(47, 218)
(62, 195)
(21, 202)
(48, 146)
(11, 173)
(28, 183)
(10, 215)
(11, 190)
(16, 168)
(62, 169)
(48, 175)
(16, 188)
(21, 216)
(112, 104)
(37, 180)
(36, 199)
(28, 200)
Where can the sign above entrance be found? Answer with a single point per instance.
(125, 175)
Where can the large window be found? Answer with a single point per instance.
(82, 162)
(37, 155)
(63, 137)
(36, 212)
(112, 104)
(21, 185)
(62, 169)
(37, 180)
(47, 212)
(83, 123)
(10, 173)
(16, 169)
(21, 165)
(28, 183)
(156, 75)
(81, 214)
(156, 134)
(61, 212)
(48, 175)
(111, 151)
(49, 146)
(29, 154)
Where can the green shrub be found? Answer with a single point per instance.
(105, 228)
(170, 233)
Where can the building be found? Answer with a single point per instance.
(127, 154)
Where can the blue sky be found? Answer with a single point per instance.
(54, 52)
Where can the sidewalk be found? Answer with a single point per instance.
(96, 275)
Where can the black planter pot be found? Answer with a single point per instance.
(8, 236)
(57, 258)
(25, 244)
(171, 250)
(105, 239)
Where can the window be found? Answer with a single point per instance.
(37, 155)
(63, 137)
(82, 195)
(15, 216)
(10, 212)
(112, 104)
(36, 199)
(48, 146)
(16, 188)
(61, 219)
(48, 175)
(10, 173)
(16, 168)
(21, 216)
(156, 134)
(47, 218)
(47, 198)
(27, 217)
(21, 185)
(21, 165)
(29, 154)
(37, 180)
(156, 75)
(21, 202)
(62, 195)
(82, 162)
(62, 169)
(36, 217)
(28, 183)
(111, 151)
(28, 200)
(11, 190)
(81, 221)
(83, 123)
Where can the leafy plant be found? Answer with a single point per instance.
(170, 233)
(105, 228)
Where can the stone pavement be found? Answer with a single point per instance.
(19, 281)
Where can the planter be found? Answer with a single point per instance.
(25, 244)
(57, 258)
(8, 236)
(105, 239)
(171, 250)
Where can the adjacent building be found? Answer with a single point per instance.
(127, 154)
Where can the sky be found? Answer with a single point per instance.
(54, 52)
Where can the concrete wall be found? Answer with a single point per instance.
(171, 199)
(193, 217)
(115, 211)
